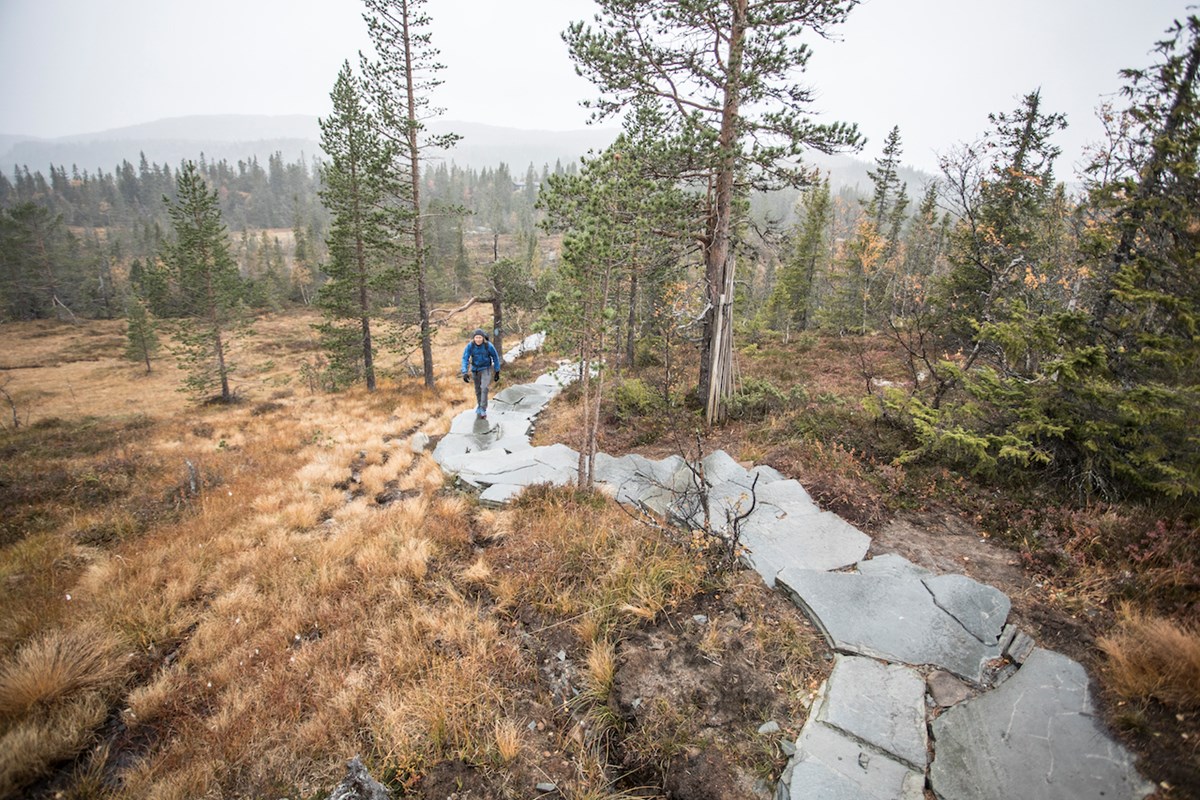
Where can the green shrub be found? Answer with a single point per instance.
(648, 352)
(758, 397)
(633, 399)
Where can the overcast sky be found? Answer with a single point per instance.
(936, 68)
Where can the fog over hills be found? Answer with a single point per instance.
(297, 136)
(241, 137)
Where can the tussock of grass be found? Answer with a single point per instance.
(1155, 658)
(57, 666)
(507, 739)
(601, 669)
(53, 696)
(586, 554)
(29, 748)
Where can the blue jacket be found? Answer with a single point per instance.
(480, 357)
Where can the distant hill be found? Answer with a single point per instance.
(241, 137)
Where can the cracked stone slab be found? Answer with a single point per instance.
(830, 765)
(554, 463)
(980, 608)
(813, 541)
(638, 480)
(1036, 737)
(527, 397)
(892, 617)
(881, 704)
(893, 565)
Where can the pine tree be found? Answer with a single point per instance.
(400, 83)
(359, 182)
(141, 332)
(608, 213)
(714, 65)
(199, 259)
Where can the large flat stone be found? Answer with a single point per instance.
(566, 374)
(800, 541)
(530, 343)
(1035, 737)
(886, 616)
(634, 479)
(557, 464)
(980, 608)
(894, 565)
(500, 493)
(720, 467)
(830, 765)
(881, 704)
(526, 397)
(785, 495)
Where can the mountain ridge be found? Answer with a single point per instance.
(296, 137)
(244, 136)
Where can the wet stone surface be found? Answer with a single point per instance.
(1033, 734)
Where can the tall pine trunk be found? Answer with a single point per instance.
(415, 172)
(716, 353)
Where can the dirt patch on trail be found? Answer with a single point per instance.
(944, 543)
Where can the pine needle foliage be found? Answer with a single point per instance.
(199, 261)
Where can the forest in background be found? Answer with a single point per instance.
(79, 243)
(1013, 350)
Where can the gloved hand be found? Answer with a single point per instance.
(466, 378)
(496, 380)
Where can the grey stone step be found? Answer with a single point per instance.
(1034, 737)
(887, 616)
(830, 765)
(880, 704)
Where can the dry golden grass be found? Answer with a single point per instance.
(53, 695)
(601, 669)
(1152, 657)
(256, 632)
(57, 666)
(253, 615)
(507, 739)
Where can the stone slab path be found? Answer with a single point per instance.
(931, 687)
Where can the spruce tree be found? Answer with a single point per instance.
(1144, 247)
(39, 272)
(359, 182)
(792, 300)
(141, 332)
(199, 259)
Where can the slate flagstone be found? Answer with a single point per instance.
(886, 616)
(1034, 736)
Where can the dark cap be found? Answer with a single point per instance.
(479, 332)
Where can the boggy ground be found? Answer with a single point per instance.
(1100, 582)
(208, 601)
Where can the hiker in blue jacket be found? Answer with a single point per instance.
(481, 360)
